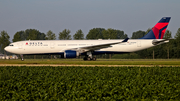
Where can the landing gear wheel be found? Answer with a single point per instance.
(89, 59)
(94, 58)
(85, 58)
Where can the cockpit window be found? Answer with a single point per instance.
(11, 45)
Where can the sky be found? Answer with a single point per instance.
(57, 15)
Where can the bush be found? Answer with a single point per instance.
(89, 83)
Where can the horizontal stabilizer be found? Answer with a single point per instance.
(156, 42)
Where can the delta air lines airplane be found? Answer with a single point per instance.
(88, 48)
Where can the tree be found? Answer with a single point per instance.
(41, 36)
(177, 36)
(109, 34)
(138, 34)
(34, 34)
(95, 33)
(64, 35)
(50, 35)
(177, 40)
(31, 34)
(19, 36)
(113, 34)
(121, 35)
(4, 40)
(79, 35)
(167, 35)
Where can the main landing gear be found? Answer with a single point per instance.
(86, 58)
(89, 57)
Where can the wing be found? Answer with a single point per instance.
(97, 47)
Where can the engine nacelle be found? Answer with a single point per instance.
(71, 54)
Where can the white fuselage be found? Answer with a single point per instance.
(59, 46)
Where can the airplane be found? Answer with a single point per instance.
(88, 48)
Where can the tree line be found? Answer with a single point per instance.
(168, 50)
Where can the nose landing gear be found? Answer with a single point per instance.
(22, 58)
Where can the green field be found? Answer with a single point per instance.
(98, 62)
(90, 83)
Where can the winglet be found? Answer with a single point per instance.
(125, 40)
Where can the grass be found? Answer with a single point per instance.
(98, 62)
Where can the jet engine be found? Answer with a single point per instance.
(71, 54)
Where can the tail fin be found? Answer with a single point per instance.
(157, 32)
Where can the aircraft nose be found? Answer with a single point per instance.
(6, 48)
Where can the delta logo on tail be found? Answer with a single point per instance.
(157, 32)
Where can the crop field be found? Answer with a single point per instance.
(90, 83)
(166, 62)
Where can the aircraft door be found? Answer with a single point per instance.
(139, 44)
(52, 45)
